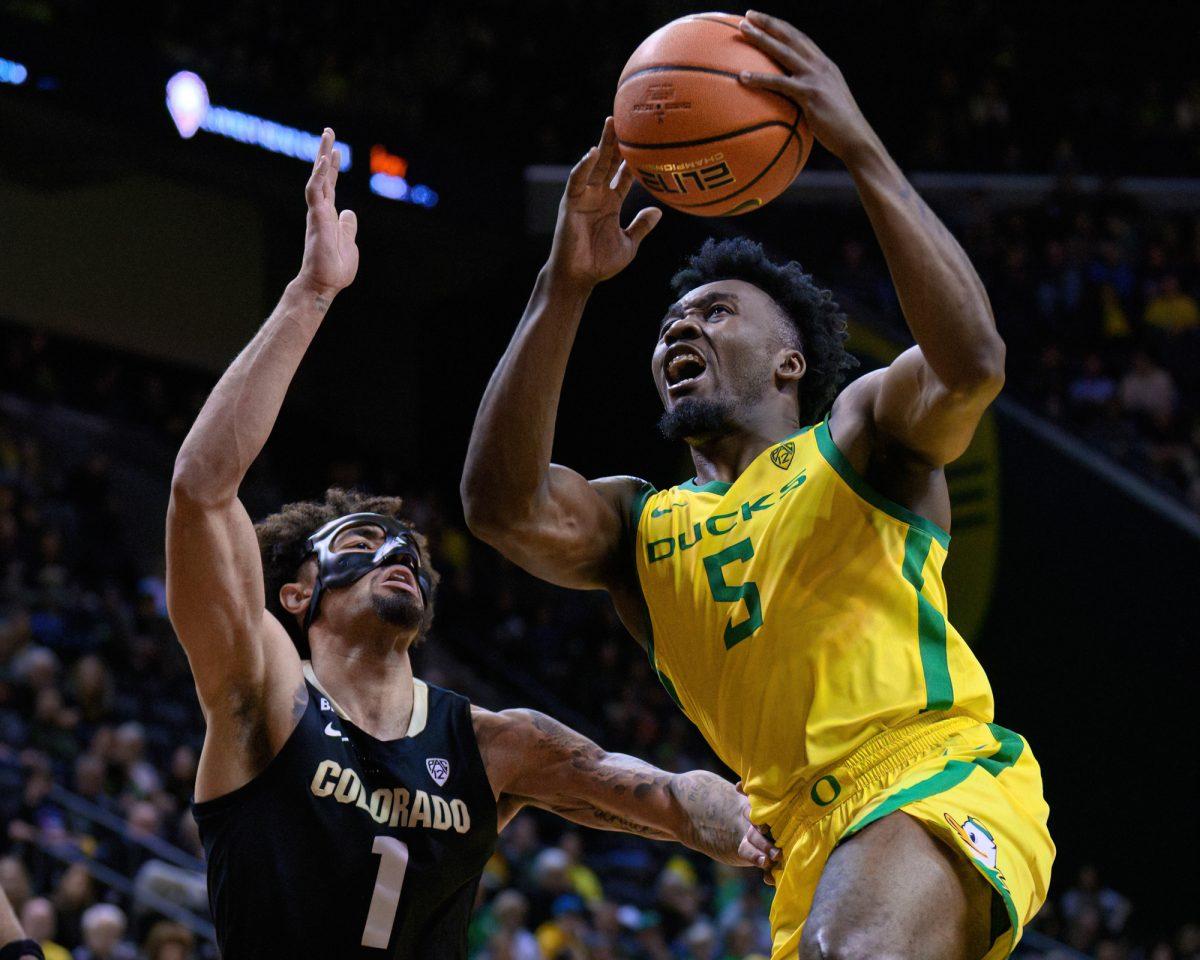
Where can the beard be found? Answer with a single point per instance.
(399, 608)
(697, 419)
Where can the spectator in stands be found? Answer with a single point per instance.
(40, 921)
(565, 935)
(104, 935)
(168, 941)
(139, 777)
(72, 898)
(583, 879)
(93, 690)
(1091, 393)
(1088, 895)
(508, 912)
(551, 880)
(699, 941)
(1147, 390)
(1172, 311)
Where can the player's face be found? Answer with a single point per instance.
(390, 593)
(715, 355)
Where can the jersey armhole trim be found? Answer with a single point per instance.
(720, 487)
(637, 506)
(636, 509)
(836, 459)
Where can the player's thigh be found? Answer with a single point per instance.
(894, 891)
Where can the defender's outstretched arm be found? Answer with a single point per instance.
(545, 517)
(930, 399)
(532, 759)
(214, 574)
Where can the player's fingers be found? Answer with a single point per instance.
(348, 221)
(760, 843)
(751, 856)
(607, 148)
(787, 86)
(320, 150)
(313, 189)
(578, 178)
(782, 30)
(778, 50)
(615, 160)
(646, 220)
(622, 183)
(335, 165)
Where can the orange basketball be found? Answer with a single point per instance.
(693, 134)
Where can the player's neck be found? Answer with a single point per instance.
(725, 458)
(373, 686)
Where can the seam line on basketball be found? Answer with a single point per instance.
(662, 68)
(704, 140)
(724, 23)
(762, 173)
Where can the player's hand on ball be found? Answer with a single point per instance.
(590, 244)
(330, 254)
(814, 82)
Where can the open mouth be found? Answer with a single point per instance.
(400, 575)
(683, 365)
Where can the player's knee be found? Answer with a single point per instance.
(833, 941)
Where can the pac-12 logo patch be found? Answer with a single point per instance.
(782, 455)
(978, 838)
(439, 769)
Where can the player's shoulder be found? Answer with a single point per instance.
(626, 494)
(858, 396)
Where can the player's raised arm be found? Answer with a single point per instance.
(545, 517)
(533, 759)
(214, 573)
(929, 401)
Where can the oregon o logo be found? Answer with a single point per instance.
(825, 790)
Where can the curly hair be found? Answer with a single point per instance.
(282, 538)
(812, 312)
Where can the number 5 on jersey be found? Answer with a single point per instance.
(723, 592)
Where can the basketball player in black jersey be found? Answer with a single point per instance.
(347, 809)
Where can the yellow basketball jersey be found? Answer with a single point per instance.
(796, 613)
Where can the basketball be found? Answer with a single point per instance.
(696, 137)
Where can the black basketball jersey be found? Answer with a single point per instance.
(347, 846)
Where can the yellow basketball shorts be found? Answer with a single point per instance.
(975, 786)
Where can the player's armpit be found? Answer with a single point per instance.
(536, 760)
(571, 534)
(908, 406)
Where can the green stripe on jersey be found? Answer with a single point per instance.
(931, 625)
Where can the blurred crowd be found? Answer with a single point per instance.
(1099, 305)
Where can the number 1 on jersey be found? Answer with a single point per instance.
(723, 592)
(386, 899)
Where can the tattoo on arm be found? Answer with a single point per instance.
(586, 785)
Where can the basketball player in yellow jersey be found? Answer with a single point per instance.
(790, 596)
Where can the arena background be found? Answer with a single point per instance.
(1060, 143)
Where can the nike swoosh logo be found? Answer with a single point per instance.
(656, 513)
(330, 732)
